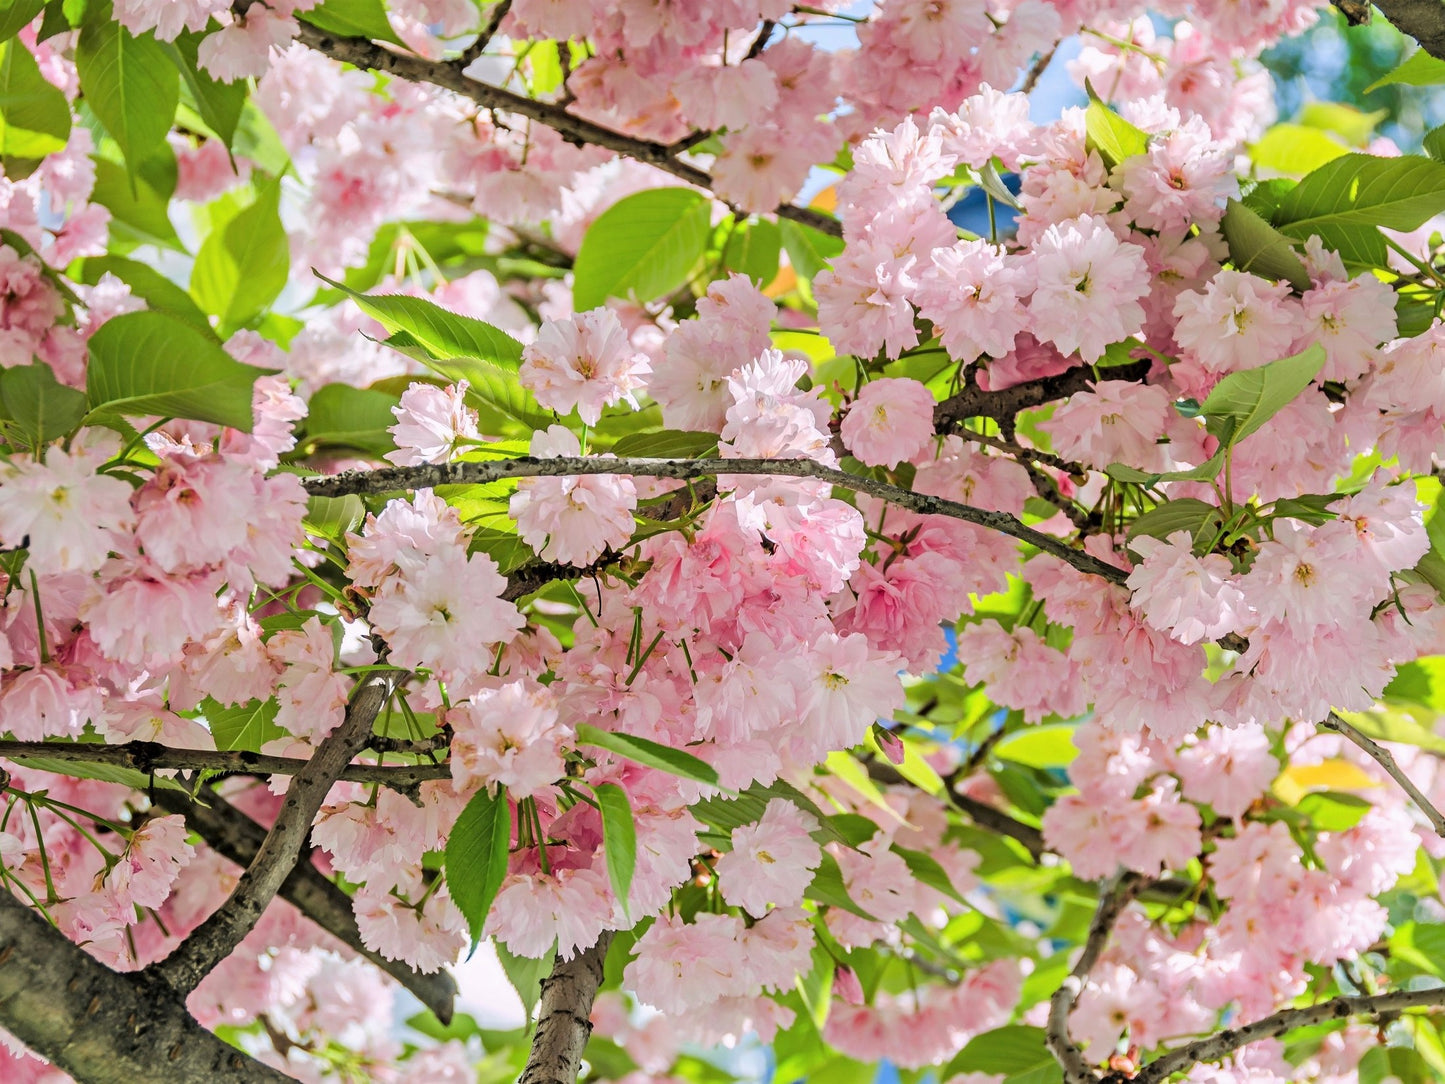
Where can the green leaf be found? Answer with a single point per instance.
(1434, 143)
(1040, 746)
(1333, 811)
(619, 839)
(525, 974)
(130, 84)
(34, 115)
(1295, 148)
(1244, 401)
(1209, 469)
(352, 19)
(219, 104)
(504, 408)
(827, 887)
(654, 755)
(332, 517)
(243, 266)
(926, 870)
(643, 246)
(1344, 201)
(1419, 70)
(340, 415)
(666, 444)
(1349, 122)
(151, 363)
(105, 773)
(753, 249)
(1110, 134)
(245, 726)
(809, 250)
(158, 292)
(16, 15)
(1008, 1050)
(1257, 247)
(139, 203)
(43, 408)
(1185, 514)
(476, 856)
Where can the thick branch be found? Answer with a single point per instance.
(147, 757)
(1002, 405)
(372, 57)
(1231, 1039)
(564, 1017)
(392, 479)
(1423, 20)
(235, 836)
(1386, 760)
(1112, 902)
(100, 1026)
(217, 937)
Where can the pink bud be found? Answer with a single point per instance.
(847, 986)
(891, 744)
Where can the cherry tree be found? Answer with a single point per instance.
(569, 480)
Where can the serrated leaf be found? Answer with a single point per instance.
(332, 517)
(666, 444)
(16, 15)
(643, 246)
(809, 250)
(1243, 401)
(476, 856)
(651, 753)
(1420, 69)
(43, 408)
(1008, 1050)
(1257, 247)
(619, 839)
(246, 726)
(1345, 201)
(926, 870)
(243, 266)
(339, 415)
(151, 363)
(1184, 514)
(827, 887)
(130, 84)
(34, 115)
(352, 19)
(1110, 134)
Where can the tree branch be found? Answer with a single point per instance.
(1115, 897)
(564, 1017)
(392, 479)
(217, 937)
(1423, 20)
(100, 1026)
(236, 837)
(484, 35)
(147, 757)
(1231, 1039)
(369, 56)
(1386, 760)
(974, 402)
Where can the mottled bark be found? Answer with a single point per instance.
(563, 1017)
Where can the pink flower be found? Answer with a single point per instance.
(1189, 597)
(569, 907)
(1227, 769)
(427, 938)
(772, 861)
(68, 516)
(1089, 287)
(762, 165)
(890, 421)
(680, 966)
(586, 361)
(311, 694)
(509, 736)
(572, 519)
(1238, 322)
(166, 17)
(847, 687)
(150, 863)
(863, 302)
(244, 47)
(431, 424)
(1306, 577)
(1117, 422)
(973, 294)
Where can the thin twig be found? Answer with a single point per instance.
(485, 36)
(1386, 760)
(1037, 70)
(426, 476)
(1112, 901)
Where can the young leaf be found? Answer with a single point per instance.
(643, 751)
(1244, 401)
(1183, 514)
(644, 246)
(476, 856)
(243, 266)
(151, 363)
(619, 839)
(1110, 134)
(1420, 69)
(926, 870)
(130, 84)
